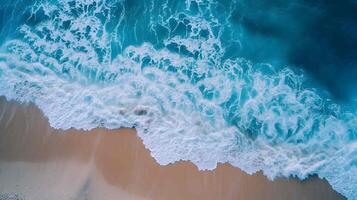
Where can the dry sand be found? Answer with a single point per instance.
(39, 163)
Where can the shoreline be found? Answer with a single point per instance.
(114, 163)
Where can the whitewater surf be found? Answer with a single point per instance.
(180, 72)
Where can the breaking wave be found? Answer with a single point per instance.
(170, 69)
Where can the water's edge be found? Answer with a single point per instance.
(26, 105)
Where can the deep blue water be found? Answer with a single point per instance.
(264, 85)
(317, 36)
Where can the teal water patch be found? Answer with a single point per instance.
(179, 72)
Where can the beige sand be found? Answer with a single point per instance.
(40, 163)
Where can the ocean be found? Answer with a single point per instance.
(262, 85)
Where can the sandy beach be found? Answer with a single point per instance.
(40, 163)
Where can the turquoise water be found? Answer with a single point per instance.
(256, 84)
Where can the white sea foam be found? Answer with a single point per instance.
(201, 108)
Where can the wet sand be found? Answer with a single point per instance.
(40, 163)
